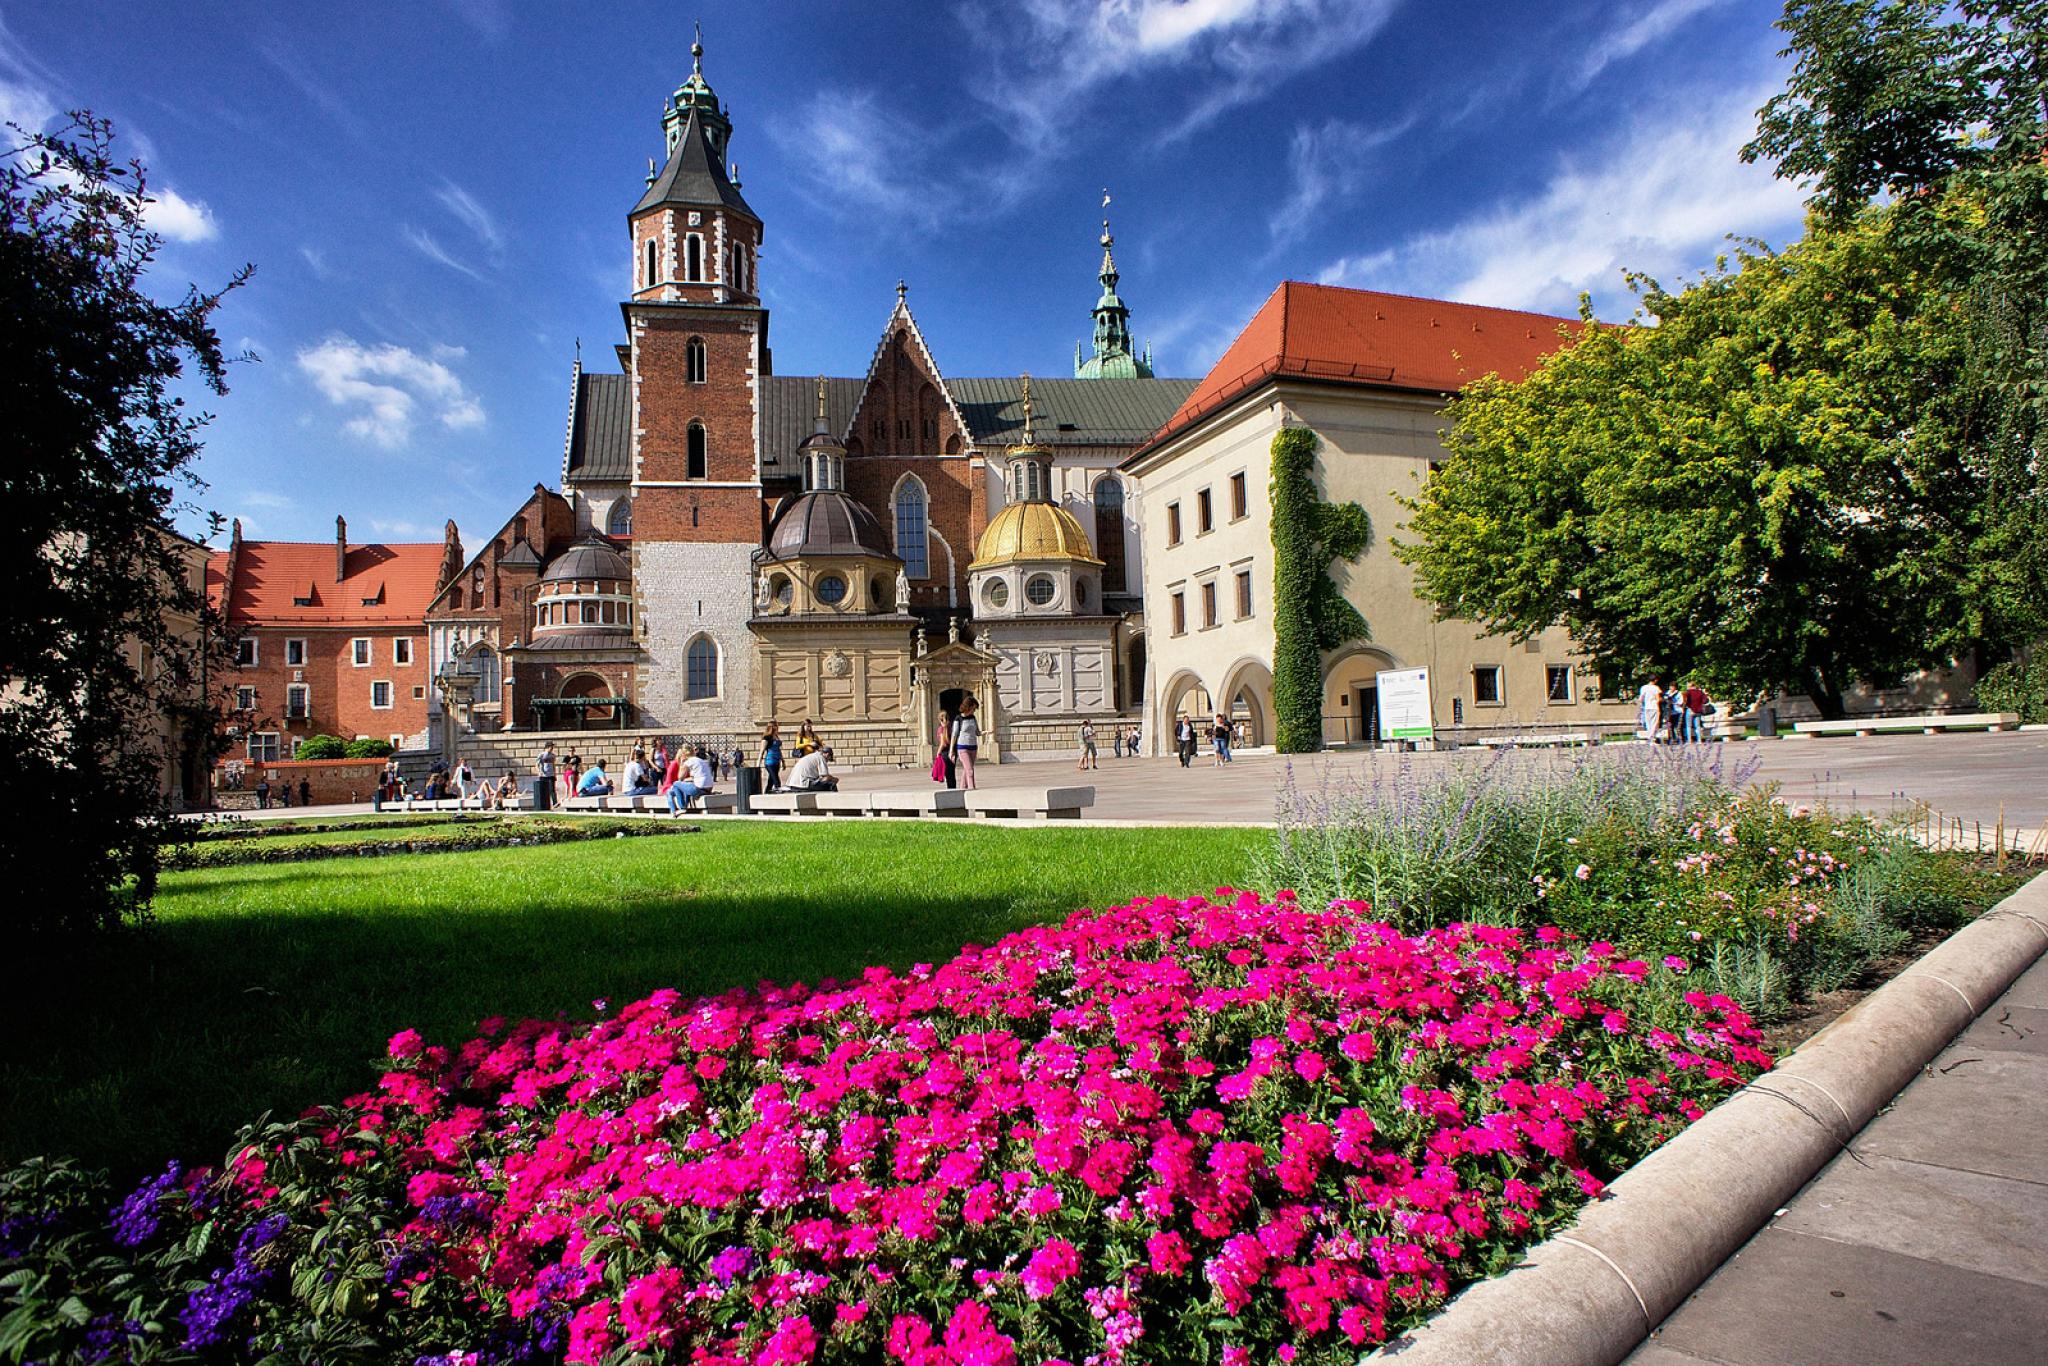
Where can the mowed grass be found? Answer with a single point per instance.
(274, 987)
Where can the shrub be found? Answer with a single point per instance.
(1173, 1131)
(368, 749)
(326, 747)
(2018, 685)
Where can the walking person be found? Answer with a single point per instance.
(305, 793)
(771, 756)
(1222, 738)
(1089, 758)
(944, 766)
(263, 793)
(1116, 743)
(1184, 741)
(1694, 700)
(967, 741)
(572, 773)
(544, 773)
(1650, 708)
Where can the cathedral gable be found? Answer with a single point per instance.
(905, 408)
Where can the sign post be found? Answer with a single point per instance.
(1404, 705)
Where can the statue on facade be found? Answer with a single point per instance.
(902, 591)
(764, 595)
(952, 630)
(981, 641)
(922, 648)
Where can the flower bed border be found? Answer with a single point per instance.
(469, 843)
(1591, 1295)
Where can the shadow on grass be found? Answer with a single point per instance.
(275, 988)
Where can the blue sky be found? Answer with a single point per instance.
(434, 193)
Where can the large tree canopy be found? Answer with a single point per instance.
(1812, 467)
(99, 444)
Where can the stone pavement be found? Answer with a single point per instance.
(1925, 1242)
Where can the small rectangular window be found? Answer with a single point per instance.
(263, 746)
(297, 701)
(401, 650)
(245, 698)
(1209, 604)
(1486, 689)
(1240, 502)
(419, 692)
(1244, 593)
(295, 653)
(380, 695)
(1557, 683)
(1205, 515)
(245, 652)
(1180, 614)
(359, 652)
(1173, 523)
(298, 743)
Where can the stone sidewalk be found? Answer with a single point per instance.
(1925, 1242)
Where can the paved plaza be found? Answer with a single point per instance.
(1925, 1241)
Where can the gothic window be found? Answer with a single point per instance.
(699, 454)
(1109, 533)
(695, 364)
(620, 521)
(693, 258)
(700, 670)
(653, 271)
(913, 541)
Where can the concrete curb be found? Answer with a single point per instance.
(1590, 1295)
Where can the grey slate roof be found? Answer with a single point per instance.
(615, 638)
(826, 522)
(1068, 412)
(601, 442)
(588, 559)
(693, 176)
(789, 412)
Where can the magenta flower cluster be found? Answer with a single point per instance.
(1236, 1130)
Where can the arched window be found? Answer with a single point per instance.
(913, 540)
(693, 257)
(620, 521)
(699, 454)
(653, 259)
(695, 364)
(700, 669)
(1109, 533)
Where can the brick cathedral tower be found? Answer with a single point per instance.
(697, 347)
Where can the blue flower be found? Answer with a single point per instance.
(135, 1220)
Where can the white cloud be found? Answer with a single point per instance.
(25, 89)
(1046, 56)
(179, 218)
(1326, 161)
(316, 260)
(430, 247)
(854, 157)
(1657, 199)
(1626, 39)
(268, 501)
(474, 216)
(385, 389)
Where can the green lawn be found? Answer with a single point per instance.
(275, 986)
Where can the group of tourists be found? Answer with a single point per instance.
(956, 741)
(808, 759)
(283, 793)
(458, 783)
(1121, 742)
(1670, 715)
(1187, 736)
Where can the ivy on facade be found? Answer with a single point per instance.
(1310, 614)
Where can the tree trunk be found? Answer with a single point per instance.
(1825, 695)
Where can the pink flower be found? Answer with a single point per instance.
(1582, 872)
(1049, 1266)
(794, 1342)
(590, 1334)
(406, 1043)
(1168, 1254)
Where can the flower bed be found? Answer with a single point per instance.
(447, 837)
(1173, 1131)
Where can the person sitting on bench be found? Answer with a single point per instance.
(698, 778)
(596, 783)
(640, 778)
(813, 773)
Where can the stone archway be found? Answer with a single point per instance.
(1247, 697)
(588, 685)
(1351, 696)
(1184, 694)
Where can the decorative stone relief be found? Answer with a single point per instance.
(837, 665)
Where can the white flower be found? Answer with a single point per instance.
(1582, 872)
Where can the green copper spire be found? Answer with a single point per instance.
(695, 95)
(1114, 357)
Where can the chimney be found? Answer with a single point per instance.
(340, 550)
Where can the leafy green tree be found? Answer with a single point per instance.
(369, 749)
(1310, 613)
(99, 444)
(323, 747)
(1942, 109)
(1758, 489)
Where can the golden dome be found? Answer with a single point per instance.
(1032, 531)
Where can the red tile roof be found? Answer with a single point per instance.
(1370, 339)
(398, 582)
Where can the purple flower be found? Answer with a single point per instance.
(210, 1311)
(107, 1339)
(731, 1264)
(135, 1220)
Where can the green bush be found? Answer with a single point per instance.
(2018, 685)
(1310, 613)
(368, 749)
(324, 747)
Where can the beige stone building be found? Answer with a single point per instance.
(1368, 373)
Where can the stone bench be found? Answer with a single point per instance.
(941, 801)
(786, 803)
(1930, 724)
(1030, 803)
(522, 801)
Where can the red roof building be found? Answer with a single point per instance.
(1365, 338)
(331, 636)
